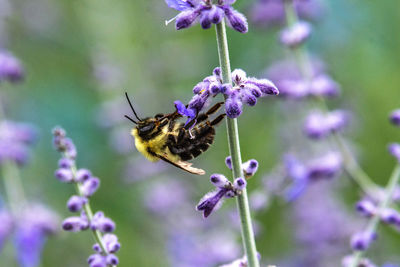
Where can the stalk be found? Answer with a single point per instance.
(234, 150)
(374, 221)
(98, 237)
(303, 61)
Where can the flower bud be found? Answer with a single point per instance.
(239, 183)
(219, 180)
(73, 224)
(239, 76)
(205, 20)
(83, 175)
(75, 203)
(65, 163)
(185, 19)
(248, 98)
(111, 259)
(228, 162)
(366, 208)
(236, 20)
(90, 186)
(64, 175)
(250, 167)
(394, 149)
(216, 14)
(233, 107)
(395, 117)
(266, 86)
(390, 216)
(296, 34)
(361, 241)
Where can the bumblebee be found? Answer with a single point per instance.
(163, 137)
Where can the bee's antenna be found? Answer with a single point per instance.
(129, 118)
(130, 104)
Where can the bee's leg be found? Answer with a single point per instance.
(217, 119)
(214, 108)
(204, 116)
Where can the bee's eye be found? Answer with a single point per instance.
(147, 128)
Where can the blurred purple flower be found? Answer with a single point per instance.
(10, 68)
(288, 78)
(32, 227)
(271, 12)
(324, 167)
(394, 149)
(15, 138)
(295, 35)
(395, 117)
(163, 196)
(316, 217)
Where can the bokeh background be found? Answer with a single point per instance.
(81, 56)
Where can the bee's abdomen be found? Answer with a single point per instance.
(187, 147)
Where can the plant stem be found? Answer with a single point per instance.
(234, 150)
(13, 187)
(374, 221)
(304, 64)
(98, 237)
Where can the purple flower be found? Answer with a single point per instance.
(207, 13)
(302, 174)
(366, 207)
(74, 224)
(35, 223)
(296, 34)
(209, 202)
(362, 240)
(239, 183)
(233, 107)
(288, 78)
(325, 167)
(228, 162)
(395, 117)
(10, 68)
(111, 243)
(15, 139)
(219, 180)
(64, 175)
(250, 167)
(86, 185)
(75, 203)
(390, 216)
(271, 12)
(236, 20)
(394, 149)
(102, 223)
(90, 186)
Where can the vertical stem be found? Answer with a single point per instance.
(234, 150)
(13, 187)
(304, 64)
(374, 221)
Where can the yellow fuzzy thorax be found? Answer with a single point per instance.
(157, 145)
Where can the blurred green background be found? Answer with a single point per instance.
(60, 43)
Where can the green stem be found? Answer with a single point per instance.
(13, 187)
(234, 150)
(304, 63)
(98, 237)
(374, 221)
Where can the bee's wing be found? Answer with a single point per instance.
(184, 165)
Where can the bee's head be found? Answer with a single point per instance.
(146, 126)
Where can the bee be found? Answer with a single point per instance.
(163, 137)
